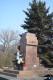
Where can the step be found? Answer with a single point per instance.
(9, 74)
(27, 75)
(21, 73)
(12, 71)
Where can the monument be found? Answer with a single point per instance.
(28, 47)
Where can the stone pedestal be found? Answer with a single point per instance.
(28, 47)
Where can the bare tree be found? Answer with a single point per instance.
(9, 41)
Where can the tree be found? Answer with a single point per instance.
(9, 41)
(39, 21)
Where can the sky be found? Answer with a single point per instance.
(12, 15)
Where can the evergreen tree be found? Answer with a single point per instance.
(40, 22)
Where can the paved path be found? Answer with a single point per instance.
(4, 77)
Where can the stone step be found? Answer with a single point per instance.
(12, 71)
(9, 74)
(27, 72)
(16, 73)
(27, 75)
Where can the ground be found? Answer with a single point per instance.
(4, 77)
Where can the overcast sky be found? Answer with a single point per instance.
(12, 15)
